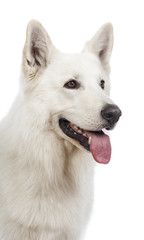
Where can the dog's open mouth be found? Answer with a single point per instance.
(96, 142)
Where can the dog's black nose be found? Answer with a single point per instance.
(111, 113)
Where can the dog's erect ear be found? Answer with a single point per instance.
(37, 50)
(102, 42)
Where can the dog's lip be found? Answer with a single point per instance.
(77, 133)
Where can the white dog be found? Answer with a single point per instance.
(49, 137)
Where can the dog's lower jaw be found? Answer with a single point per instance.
(45, 185)
(69, 147)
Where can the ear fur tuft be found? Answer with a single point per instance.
(102, 43)
(37, 49)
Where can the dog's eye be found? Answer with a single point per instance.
(102, 84)
(72, 84)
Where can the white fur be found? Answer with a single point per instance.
(46, 178)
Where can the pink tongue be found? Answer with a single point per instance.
(100, 147)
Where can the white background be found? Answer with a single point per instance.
(118, 212)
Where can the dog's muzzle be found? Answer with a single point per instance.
(111, 113)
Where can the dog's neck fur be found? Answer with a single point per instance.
(40, 149)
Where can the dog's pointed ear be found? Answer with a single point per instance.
(102, 43)
(37, 51)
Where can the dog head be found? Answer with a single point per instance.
(71, 91)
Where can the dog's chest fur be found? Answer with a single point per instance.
(46, 186)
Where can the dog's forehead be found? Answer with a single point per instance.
(82, 63)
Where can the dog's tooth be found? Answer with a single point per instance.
(89, 140)
(84, 134)
(75, 127)
(79, 131)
